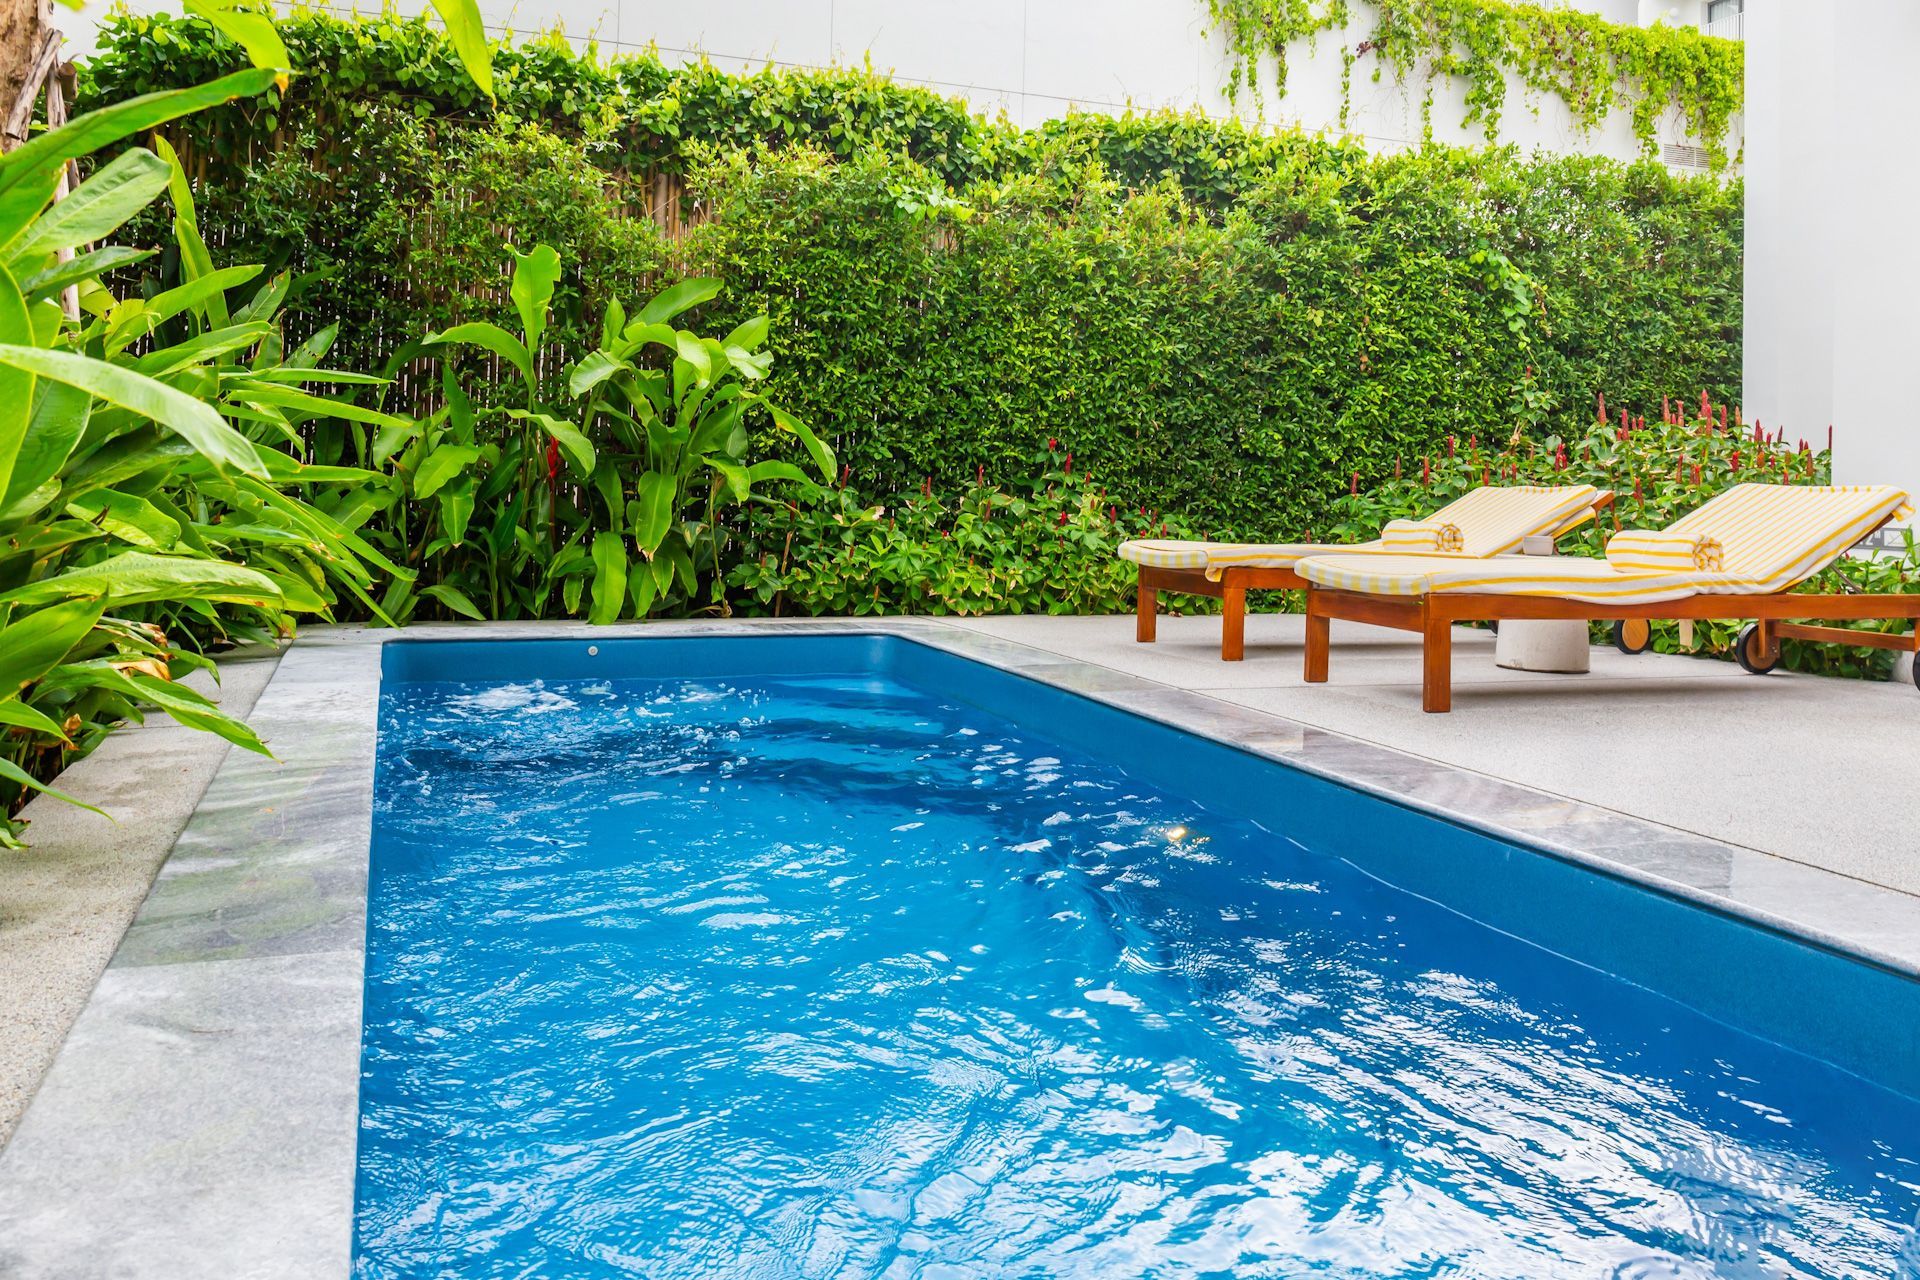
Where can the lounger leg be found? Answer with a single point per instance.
(1147, 613)
(1319, 643)
(1436, 673)
(1233, 624)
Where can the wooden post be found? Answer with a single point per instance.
(1436, 670)
(1233, 623)
(29, 57)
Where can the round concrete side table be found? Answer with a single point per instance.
(1558, 645)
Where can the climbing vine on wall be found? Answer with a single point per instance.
(1592, 65)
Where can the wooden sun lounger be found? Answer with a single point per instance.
(1231, 590)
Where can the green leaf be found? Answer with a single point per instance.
(534, 275)
(609, 578)
(251, 31)
(37, 642)
(59, 417)
(134, 577)
(127, 516)
(14, 773)
(495, 339)
(16, 385)
(670, 302)
(20, 715)
(656, 497)
(816, 448)
(645, 588)
(593, 369)
(456, 509)
(468, 36)
(739, 483)
(193, 420)
(124, 186)
(29, 174)
(442, 465)
(748, 334)
(455, 599)
(82, 267)
(577, 447)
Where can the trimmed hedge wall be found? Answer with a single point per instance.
(1214, 321)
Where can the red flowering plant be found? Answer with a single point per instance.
(1046, 544)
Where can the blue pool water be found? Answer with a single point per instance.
(831, 974)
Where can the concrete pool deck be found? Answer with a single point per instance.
(200, 1117)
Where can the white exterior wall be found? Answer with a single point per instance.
(1832, 262)
(1038, 59)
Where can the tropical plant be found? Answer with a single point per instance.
(144, 494)
(655, 429)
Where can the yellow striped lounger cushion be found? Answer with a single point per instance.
(1773, 536)
(1490, 520)
(1217, 557)
(1632, 549)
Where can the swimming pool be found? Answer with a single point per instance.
(840, 956)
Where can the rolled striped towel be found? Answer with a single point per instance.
(1416, 536)
(1659, 549)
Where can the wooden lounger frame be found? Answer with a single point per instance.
(1432, 617)
(1231, 590)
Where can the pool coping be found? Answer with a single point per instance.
(202, 1116)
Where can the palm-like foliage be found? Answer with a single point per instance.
(148, 497)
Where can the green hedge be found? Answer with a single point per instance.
(1214, 321)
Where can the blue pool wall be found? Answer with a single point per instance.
(1850, 1012)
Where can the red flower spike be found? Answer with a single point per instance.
(1449, 446)
(1636, 488)
(980, 474)
(1723, 417)
(1666, 411)
(1733, 463)
(1706, 406)
(1829, 437)
(1069, 467)
(1696, 473)
(1063, 517)
(1603, 406)
(1354, 487)
(1426, 472)
(1486, 475)
(1052, 444)
(553, 458)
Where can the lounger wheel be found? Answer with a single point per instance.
(1749, 652)
(1632, 635)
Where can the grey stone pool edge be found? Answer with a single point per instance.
(201, 1118)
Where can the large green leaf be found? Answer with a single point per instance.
(83, 266)
(36, 642)
(493, 338)
(534, 275)
(656, 495)
(193, 420)
(593, 369)
(128, 517)
(28, 175)
(123, 187)
(135, 577)
(16, 385)
(442, 465)
(270, 393)
(468, 36)
(816, 448)
(609, 578)
(455, 599)
(670, 302)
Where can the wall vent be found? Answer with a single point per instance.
(1682, 156)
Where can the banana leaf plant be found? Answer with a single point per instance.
(149, 503)
(613, 497)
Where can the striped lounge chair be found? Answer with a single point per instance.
(1483, 522)
(1737, 556)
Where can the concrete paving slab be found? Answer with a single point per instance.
(66, 901)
